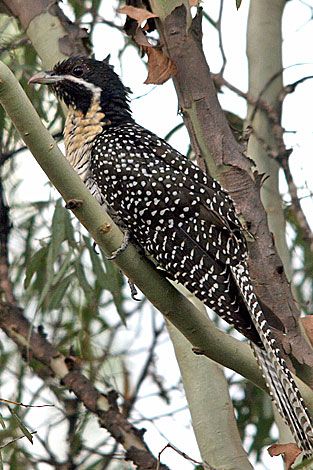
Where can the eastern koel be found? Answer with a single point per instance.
(167, 205)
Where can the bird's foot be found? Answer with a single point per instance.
(122, 248)
(133, 290)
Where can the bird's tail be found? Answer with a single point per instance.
(277, 375)
(287, 399)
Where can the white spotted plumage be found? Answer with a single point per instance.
(200, 272)
(181, 217)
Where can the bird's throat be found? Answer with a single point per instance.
(81, 130)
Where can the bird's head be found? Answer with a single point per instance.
(82, 82)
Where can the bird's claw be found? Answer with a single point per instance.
(133, 290)
(122, 248)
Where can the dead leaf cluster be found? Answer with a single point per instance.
(160, 66)
(289, 453)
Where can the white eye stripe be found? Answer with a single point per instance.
(96, 91)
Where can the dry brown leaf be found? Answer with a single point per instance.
(289, 452)
(145, 27)
(308, 325)
(138, 14)
(238, 4)
(160, 67)
(141, 39)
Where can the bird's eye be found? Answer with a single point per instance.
(78, 71)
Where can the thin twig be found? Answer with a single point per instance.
(105, 407)
(206, 466)
(16, 439)
(219, 29)
(131, 400)
(282, 154)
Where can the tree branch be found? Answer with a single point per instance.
(282, 154)
(35, 346)
(174, 306)
(201, 333)
(225, 159)
(52, 34)
(6, 288)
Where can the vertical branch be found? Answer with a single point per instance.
(264, 50)
(6, 287)
(225, 158)
(264, 44)
(220, 39)
(210, 405)
(71, 406)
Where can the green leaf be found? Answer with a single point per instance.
(1, 461)
(305, 465)
(2, 421)
(57, 237)
(81, 277)
(29, 238)
(21, 425)
(115, 282)
(97, 265)
(164, 8)
(2, 120)
(114, 276)
(68, 228)
(59, 292)
(63, 269)
(238, 3)
(57, 232)
(35, 263)
(44, 292)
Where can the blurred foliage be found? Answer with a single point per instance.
(68, 289)
(254, 408)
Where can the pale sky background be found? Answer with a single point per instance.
(157, 110)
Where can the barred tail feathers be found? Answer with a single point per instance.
(290, 406)
(279, 380)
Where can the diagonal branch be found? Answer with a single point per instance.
(225, 159)
(174, 306)
(177, 309)
(283, 156)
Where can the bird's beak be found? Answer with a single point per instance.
(46, 78)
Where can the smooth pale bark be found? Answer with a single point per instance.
(264, 52)
(205, 385)
(52, 34)
(202, 334)
(46, 45)
(177, 309)
(211, 408)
